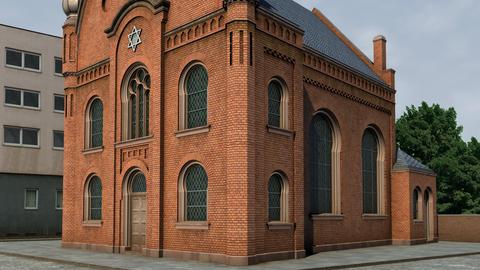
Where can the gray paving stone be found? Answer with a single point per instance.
(53, 251)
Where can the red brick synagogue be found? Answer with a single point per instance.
(231, 131)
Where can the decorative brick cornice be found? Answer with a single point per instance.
(91, 73)
(278, 55)
(346, 95)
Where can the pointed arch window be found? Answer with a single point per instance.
(137, 101)
(94, 124)
(93, 199)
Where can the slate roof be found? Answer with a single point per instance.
(407, 162)
(318, 36)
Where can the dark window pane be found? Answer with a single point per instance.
(96, 128)
(58, 66)
(196, 89)
(369, 168)
(32, 61)
(59, 199)
(274, 198)
(196, 185)
(321, 162)
(30, 99)
(139, 184)
(274, 103)
(58, 139)
(95, 194)
(30, 137)
(13, 97)
(138, 88)
(59, 103)
(11, 135)
(14, 58)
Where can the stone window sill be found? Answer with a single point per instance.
(92, 223)
(192, 131)
(134, 142)
(275, 225)
(93, 150)
(280, 131)
(336, 217)
(417, 221)
(190, 225)
(374, 217)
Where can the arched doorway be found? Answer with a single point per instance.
(135, 191)
(429, 215)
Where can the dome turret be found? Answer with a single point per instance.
(70, 7)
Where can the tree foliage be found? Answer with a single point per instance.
(431, 135)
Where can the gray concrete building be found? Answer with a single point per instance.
(31, 136)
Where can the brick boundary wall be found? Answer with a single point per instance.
(459, 228)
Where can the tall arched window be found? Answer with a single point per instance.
(94, 124)
(325, 165)
(277, 199)
(370, 170)
(139, 183)
(322, 164)
(193, 190)
(194, 98)
(277, 105)
(93, 199)
(138, 100)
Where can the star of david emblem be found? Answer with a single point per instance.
(134, 39)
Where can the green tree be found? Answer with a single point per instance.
(431, 135)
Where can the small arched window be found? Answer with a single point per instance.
(277, 199)
(138, 104)
(369, 169)
(94, 124)
(416, 204)
(277, 105)
(193, 195)
(93, 199)
(194, 98)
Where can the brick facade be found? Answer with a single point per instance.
(237, 149)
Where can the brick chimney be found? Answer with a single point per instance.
(380, 53)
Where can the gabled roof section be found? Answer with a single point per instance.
(319, 37)
(407, 162)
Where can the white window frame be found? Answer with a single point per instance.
(56, 199)
(25, 199)
(53, 138)
(21, 137)
(54, 66)
(23, 60)
(58, 111)
(22, 91)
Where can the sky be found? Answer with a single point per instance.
(432, 44)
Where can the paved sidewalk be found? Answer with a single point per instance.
(52, 251)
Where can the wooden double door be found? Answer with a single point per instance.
(138, 221)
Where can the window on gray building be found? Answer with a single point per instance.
(22, 98)
(21, 59)
(18, 136)
(58, 66)
(57, 139)
(59, 103)
(31, 198)
(59, 199)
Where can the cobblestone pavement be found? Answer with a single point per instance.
(457, 263)
(16, 263)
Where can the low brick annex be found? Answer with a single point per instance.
(230, 131)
